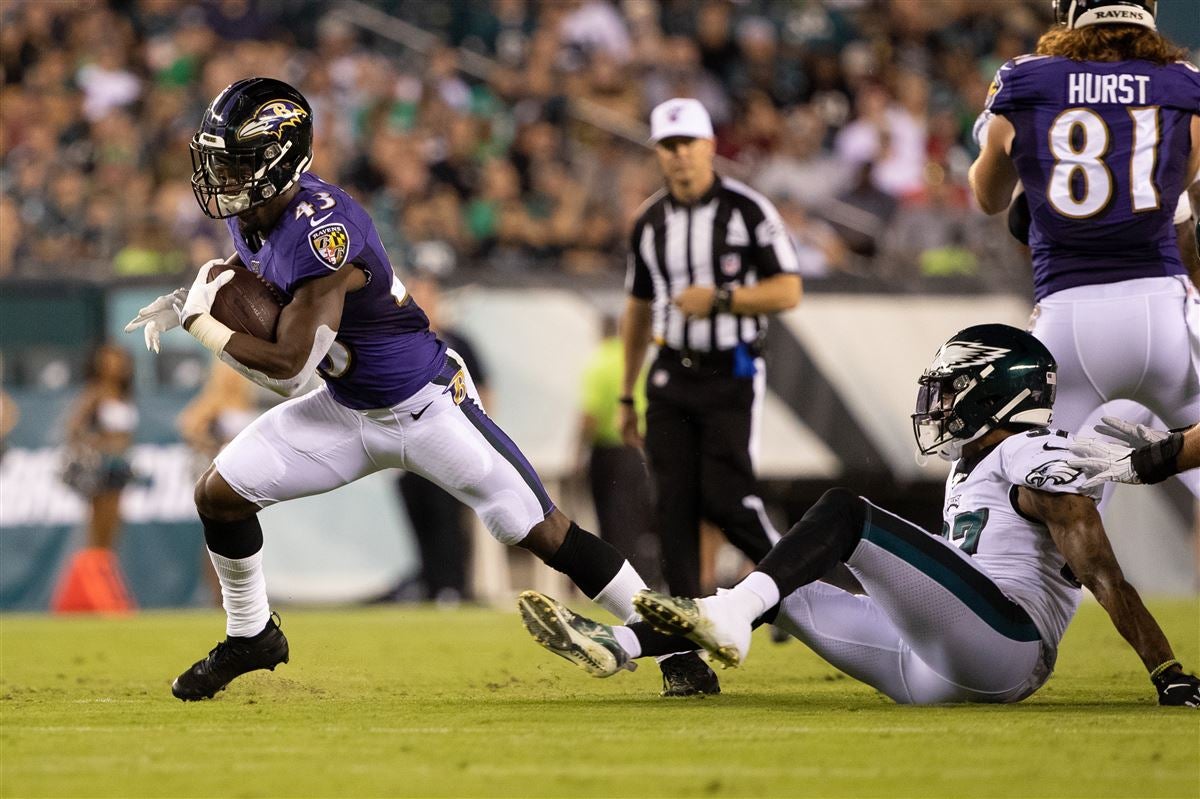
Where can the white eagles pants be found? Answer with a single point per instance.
(932, 628)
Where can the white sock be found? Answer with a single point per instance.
(243, 593)
(753, 595)
(628, 641)
(617, 596)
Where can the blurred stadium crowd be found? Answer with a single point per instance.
(853, 115)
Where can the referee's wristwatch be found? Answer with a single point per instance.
(723, 300)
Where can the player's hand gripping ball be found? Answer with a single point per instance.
(246, 303)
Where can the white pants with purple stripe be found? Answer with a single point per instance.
(313, 444)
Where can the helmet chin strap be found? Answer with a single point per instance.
(952, 450)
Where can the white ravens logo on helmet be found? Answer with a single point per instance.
(270, 118)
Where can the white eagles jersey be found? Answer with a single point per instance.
(980, 516)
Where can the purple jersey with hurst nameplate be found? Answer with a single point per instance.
(384, 351)
(1101, 149)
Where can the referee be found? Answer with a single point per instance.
(709, 257)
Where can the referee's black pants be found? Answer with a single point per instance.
(624, 506)
(698, 443)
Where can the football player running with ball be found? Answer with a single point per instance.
(393, 396)
(973, 615)
(1102, 128)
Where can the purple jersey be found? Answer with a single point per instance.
(384, 350)
(1101, 149)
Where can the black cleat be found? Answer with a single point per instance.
(688, 675)
(229, 660)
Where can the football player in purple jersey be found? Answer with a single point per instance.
(393, 396)
(1101, 126)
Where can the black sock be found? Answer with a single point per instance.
(590, 562)
(826, 534)
(655, 644)
(233, 540)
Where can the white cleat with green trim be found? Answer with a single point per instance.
(709, 622)
(588, 644)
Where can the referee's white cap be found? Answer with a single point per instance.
(680, 116)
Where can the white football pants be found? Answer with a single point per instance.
(1137, 340)
(932, 628)
(313, 444)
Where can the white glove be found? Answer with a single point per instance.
(202, 293)
(1102, 461)
(1134, 435)
(158, 317)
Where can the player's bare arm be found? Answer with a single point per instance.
(1189, 454)
(1193, 167)
(1078, 532)
(316, 304)
(1189, 249)
(775, 293)
(1193, 193)
(993, 176)
(635, 334)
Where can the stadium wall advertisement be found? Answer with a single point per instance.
(350, 546)
(41, 519)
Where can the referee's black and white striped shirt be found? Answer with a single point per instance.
(732, 236)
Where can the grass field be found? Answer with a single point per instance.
(421, 702)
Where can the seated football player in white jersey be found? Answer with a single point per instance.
(974, 614)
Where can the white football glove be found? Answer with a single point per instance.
(1134, 435)
(1102, 461)
(158, 317)
(201, 295)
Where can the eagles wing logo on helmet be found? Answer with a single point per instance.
(961, 354)
(272, 117)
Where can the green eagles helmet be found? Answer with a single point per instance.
(982, 378)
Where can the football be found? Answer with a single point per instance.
(247, 303)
